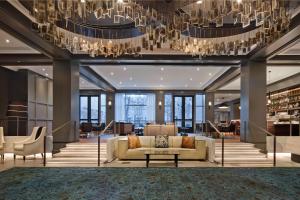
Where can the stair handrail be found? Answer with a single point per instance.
(54, 132)
(268, 133)
(112, 122)
(222, 137)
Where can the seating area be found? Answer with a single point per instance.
(26, 145)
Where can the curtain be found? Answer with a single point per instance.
(120, 107)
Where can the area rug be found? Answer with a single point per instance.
(151, 183)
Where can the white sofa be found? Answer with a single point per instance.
(2, 142)
(148, 142)
(157, 129)
(32, 145)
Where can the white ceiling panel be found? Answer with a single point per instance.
(11, 45)
(277, 74)
(159, 77)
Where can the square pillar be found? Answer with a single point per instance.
(65, 101)
(253, 103)
(209, 109)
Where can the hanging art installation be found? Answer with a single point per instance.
(197, 29)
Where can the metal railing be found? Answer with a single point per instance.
(222, 137)
(112, 123)
(267, 133)
(53, 132)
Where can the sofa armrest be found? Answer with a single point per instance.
(122, 148)
(200, 146)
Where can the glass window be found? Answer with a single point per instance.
(138, 109)
(83, 108)
(168, 108)
(200, 108)
(188, 108)
(103, 108)
(94, 109)
(89, 109)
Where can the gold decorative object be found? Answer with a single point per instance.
(180, 31)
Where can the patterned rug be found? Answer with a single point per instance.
(151, 183)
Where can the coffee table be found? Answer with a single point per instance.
(161, 152)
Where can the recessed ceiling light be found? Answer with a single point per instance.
(160, 85)
(82, 1)
(131, 78)
(191, 79)
(210, 74)
(120, 83)
(199, 2)
(46, 74)
(36, 10)
(120, 1)
(162, 69)
(198, 69)
(124, 68)
(161, 78)
(200, 83)
(44, 69)
(7, 41)
(134, 85)
(186, 85)
(111, 73)
(239, 1)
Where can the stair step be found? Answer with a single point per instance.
(71, 159)
(82, 149)
(235, 148)
(81, 154)
(243, 160)
(235, 144)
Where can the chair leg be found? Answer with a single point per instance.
(24, 158)
(14, 156)
(42, 155)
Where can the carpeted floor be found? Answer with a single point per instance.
(151, 183)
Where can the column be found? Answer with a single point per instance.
(110, 109)
(159, 114)
(253, 103)
(209, 106)
(65, 101)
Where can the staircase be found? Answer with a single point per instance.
(241, 155)
(79, 154)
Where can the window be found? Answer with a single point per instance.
(138, 109)
(83, 109)
(168, 108)
(89, 109)
(103, 108)
(200, 98)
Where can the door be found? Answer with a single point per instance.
(183, 110)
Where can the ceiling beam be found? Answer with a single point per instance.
(24, 59)
(228, 76)
(90, 75)
(224, 61)
(19, 26)
(282, 44)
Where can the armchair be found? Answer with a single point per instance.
(33, 145)
(2, 143)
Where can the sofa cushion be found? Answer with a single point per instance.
(18, 147)
(147, 141)
(175, 141)
(161, 141)
(133, 142)
(188, 142)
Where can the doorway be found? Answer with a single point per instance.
(183, 109)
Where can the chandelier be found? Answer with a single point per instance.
(196, 29)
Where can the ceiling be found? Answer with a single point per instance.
(47, 72)
(225, 97)
(277, 74)
(153, 77)
(294, 50)
(11, 45)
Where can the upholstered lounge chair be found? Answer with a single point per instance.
(33, 145)
(2, 143)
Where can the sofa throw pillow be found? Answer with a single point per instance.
(161, 141)
(133, 142)
(188, 142)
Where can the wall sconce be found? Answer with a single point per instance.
(109, 103)
(209, 104)
(239, 107)
(159, 104)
